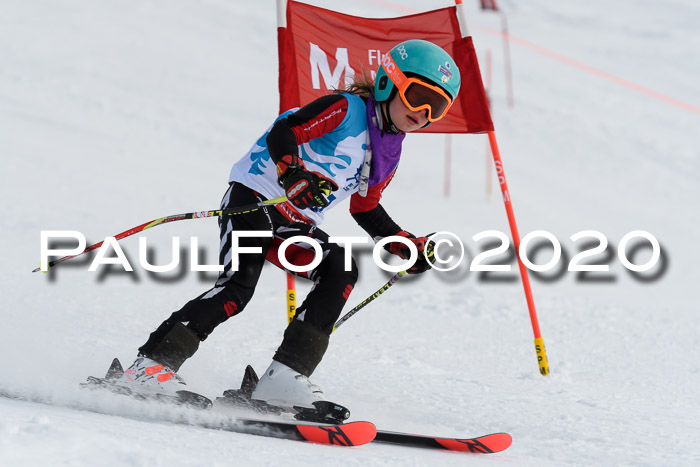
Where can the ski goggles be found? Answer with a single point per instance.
(416, 94)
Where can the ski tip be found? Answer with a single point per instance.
(488, 444)
(250, 373)
(350, 434)
(115, 370)
(250, 381)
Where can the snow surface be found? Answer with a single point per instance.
(114, 113)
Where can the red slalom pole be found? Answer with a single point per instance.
(539, 341)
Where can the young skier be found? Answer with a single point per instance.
(315, 156)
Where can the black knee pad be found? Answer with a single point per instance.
(302, 348)
(176, 346)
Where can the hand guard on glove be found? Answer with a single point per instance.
(304, 189)
(424, 247)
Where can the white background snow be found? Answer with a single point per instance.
(113, 113)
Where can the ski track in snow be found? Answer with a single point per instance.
(112, 115)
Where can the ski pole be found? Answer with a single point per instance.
(429, 254)
(177, 217)
(364, 302)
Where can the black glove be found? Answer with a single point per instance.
(304, 189)
(424, 247)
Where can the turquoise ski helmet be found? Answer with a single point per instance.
(422, 59)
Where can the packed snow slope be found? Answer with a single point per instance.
(114, 113)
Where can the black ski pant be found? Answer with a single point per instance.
(306, 338)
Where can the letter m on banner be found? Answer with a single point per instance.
(318, 62)
(321, 50)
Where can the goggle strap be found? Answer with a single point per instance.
(394, 72)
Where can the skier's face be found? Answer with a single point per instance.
(405, 119)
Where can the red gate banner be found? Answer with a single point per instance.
(321, 50)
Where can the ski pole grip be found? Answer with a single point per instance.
(541, 356)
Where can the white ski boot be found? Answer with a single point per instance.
(147, 376)
(282, 386)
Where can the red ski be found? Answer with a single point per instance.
(348, 434)
(481, 445)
